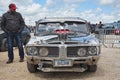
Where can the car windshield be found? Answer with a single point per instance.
(50, 28)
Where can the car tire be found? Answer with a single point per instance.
(31, 68)
(4, 46)
(92, 68)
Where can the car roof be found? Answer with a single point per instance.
(61, 20)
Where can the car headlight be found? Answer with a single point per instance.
(43, 52)
(92, 50)
(81, 52)
(32, 50)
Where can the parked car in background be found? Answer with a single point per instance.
(117, 30)
(3, 38)
(62, 44)
(108, 29)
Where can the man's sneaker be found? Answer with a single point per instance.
(9, 61)
(21, 60)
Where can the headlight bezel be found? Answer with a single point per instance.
(32, 50)
(92, 50)
(43, 51)
(80, 50)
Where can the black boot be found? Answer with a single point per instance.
(21, 60)
(9, 61)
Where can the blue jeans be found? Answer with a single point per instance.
(10, 39)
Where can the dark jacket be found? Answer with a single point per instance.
(12, 22)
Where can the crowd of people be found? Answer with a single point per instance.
(93, 27)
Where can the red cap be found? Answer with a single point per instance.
(12, 6)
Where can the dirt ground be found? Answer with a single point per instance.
(108, 69)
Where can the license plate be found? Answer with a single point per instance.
(63, 63)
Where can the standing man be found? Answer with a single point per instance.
(100, 25)
(12, 24)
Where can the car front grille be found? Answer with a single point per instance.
(72, 51)
(53, 52)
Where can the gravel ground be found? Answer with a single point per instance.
(108, 69)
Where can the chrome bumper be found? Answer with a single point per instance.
(41, 61)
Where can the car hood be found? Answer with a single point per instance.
(39, 39)
(90, 39)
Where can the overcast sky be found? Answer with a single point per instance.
(91, 10)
